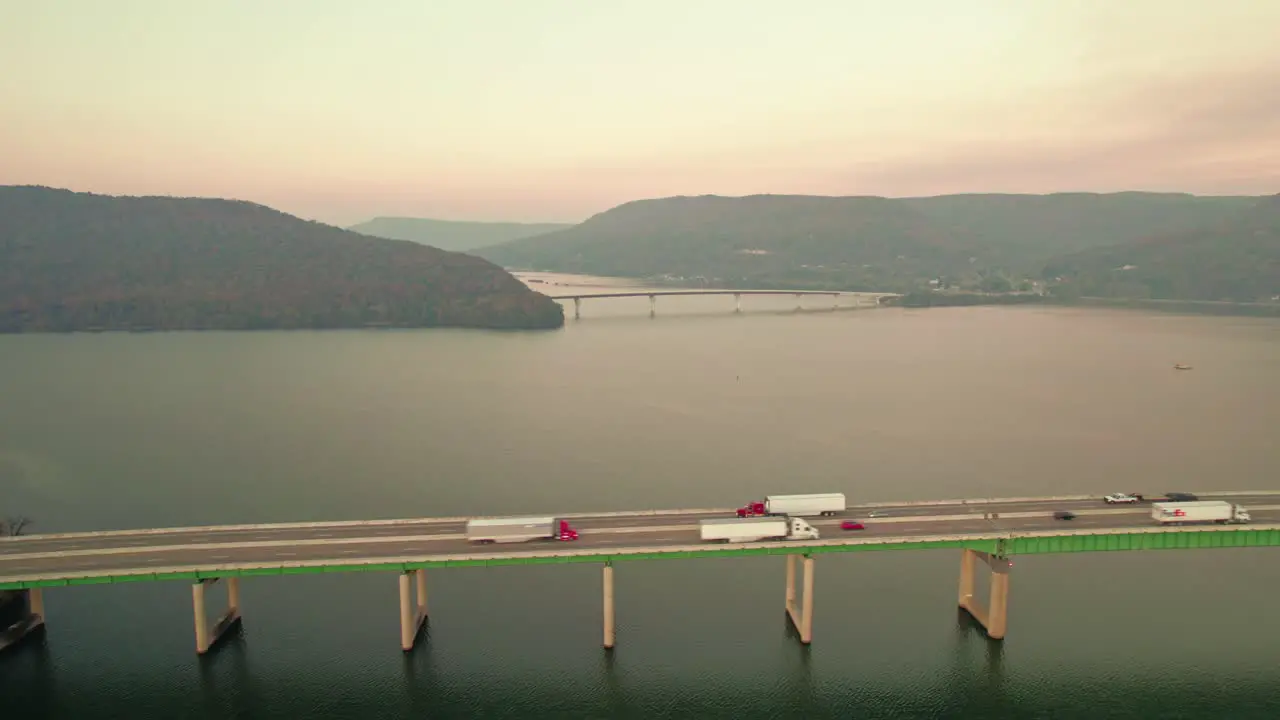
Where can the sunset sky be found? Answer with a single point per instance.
(552, 110)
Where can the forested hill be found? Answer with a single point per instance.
(452, 234)
(855, 243)
(78, 261)
(1235, 260)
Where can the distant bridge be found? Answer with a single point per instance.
(860, 299)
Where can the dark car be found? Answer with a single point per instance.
(1063, 515)
(852, 525)
(1180, 497)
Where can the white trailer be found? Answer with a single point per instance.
(512, 530)
(1204, 511)
(806, 505)
(755, 529)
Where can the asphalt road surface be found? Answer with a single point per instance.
(36, 556)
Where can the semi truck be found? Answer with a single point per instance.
(1204, 511)
(519, 529)
(796, 505)
(758, 528)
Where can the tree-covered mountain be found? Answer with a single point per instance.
(450, 234)
(1236, 259)
(1021, 232)
(79, 261)
(854, 243)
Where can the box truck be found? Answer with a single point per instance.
(1204, 511)
(796, 505)
(761, 528)
(519, 529)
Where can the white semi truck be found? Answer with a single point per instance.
(796, 505)
(758, 528)
(1193, 513)
(519, 529)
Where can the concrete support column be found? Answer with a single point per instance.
(608, 606)
(806, 621)
(577, 308)
(994, 618)
(737, 302)
(420, 577)
(35, 603)
(32, 618)
(233, 595)
(967, 561)
(406, 613)
(207, 636)
(413, 615)
(798, 303)
(835, 301)
(802, 617)
(998, 609)
(791, 583)
(201, 617)
(653, 305)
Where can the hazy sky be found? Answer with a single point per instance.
(340, 110)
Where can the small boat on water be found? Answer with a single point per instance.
(1180, 366)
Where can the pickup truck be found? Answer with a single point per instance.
(1123, 498)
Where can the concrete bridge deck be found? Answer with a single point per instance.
(861, 299)
(991, 528)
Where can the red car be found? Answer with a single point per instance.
(852, 525)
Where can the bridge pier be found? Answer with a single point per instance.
(608, 606)
(801, 619)
(737, 302)
(995, 617)
(32, 619)
(577, 308)
(653, 305)
(413, 616)
(799, 304)
(207, 637)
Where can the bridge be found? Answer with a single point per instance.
(987, 531)
(860, 299)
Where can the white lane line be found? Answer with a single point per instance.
(220, 557)
(287, 554)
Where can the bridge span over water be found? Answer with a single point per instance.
(984, 531)
(860, 299)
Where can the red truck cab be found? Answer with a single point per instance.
(752, 509)
(567, 533)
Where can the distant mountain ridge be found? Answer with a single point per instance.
(78, 261)
(454, 235)
(855, 243)
(1235, 259)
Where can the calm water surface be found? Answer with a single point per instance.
(696, 407)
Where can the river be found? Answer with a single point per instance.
(695, 407)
